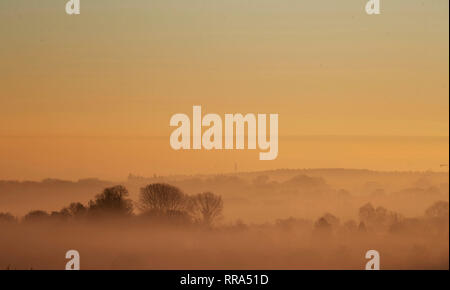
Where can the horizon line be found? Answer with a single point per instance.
(231, 173)
(167, 136)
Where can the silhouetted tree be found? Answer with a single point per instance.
(367, 212)
(162, 199)
(322, 223)
(209, 206)
(36, 215)
(331, 219)
(60, 215)
(362, 227)
(322, 227)
(379, 217)
(438, 210)
(113, 200)
(75, 209)
(6, 217)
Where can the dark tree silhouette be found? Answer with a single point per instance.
(209, 206)
(36, 215)
(331, 219)
(378, 217)
(162, 199)
(113, 200)
(75, 209)
(60, 215)
(322, 227)
(367, 212)
(326, 224)
(438, 210)
(6, 217)
(362, 227)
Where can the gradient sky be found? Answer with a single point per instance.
(92, 95)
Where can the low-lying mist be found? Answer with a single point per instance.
(303, 219)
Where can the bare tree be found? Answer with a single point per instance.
(113, 200)
(209, 206)
(162, 199)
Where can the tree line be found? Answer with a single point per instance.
(158, 201)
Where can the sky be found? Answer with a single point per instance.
(91, 95)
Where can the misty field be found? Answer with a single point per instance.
(285, 219)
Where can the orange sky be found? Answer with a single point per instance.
(92, 95)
